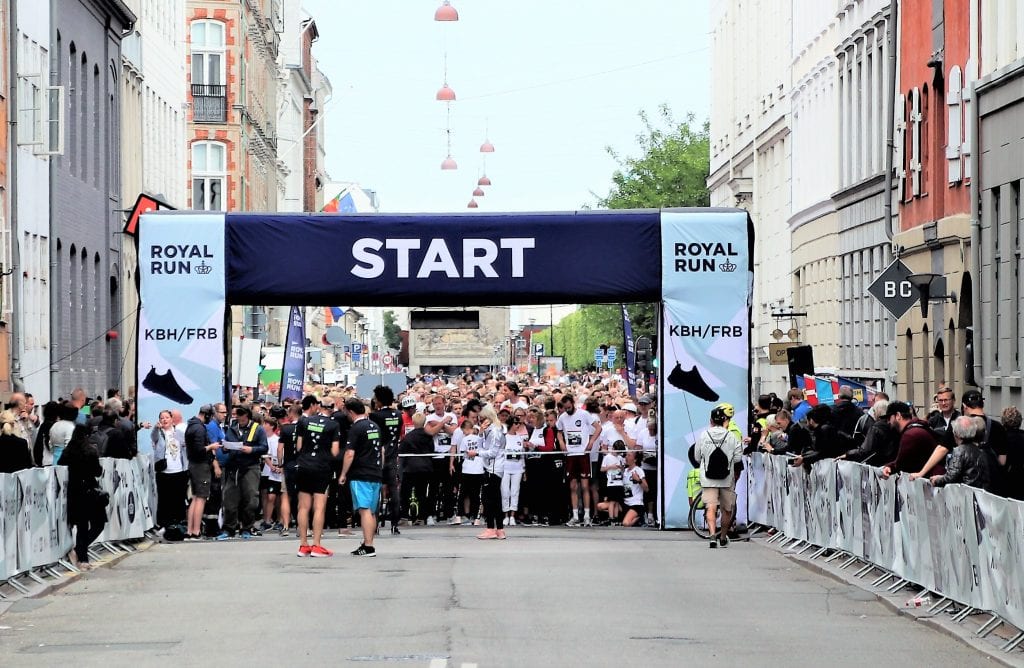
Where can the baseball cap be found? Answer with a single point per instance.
(278, 412)
(973, 399)
(206, 409)
(645, 399)
(631, 408)
(409, 402)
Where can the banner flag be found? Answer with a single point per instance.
(706, 277)
(181, 315)
(627, 333)
(293, 371)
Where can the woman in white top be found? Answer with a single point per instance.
(60, 434)
(634, 484)
(492, 449)
(612, 465)
(171, 463)
(512, 478)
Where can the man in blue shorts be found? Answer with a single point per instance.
(363, 467)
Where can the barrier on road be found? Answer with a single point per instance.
(34, 528)
(960, 542)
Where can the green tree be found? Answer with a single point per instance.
(392, 336)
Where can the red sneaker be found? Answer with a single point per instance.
(304, 551)
(320, 551)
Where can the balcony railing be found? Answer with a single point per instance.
(209, 103)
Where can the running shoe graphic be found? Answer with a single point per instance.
(166, 386)
(688, 381)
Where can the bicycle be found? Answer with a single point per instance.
(698, 515)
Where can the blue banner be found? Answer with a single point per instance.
(706, 286)
(181, 315)
(627, 334)
(293, 369)
(444, 260)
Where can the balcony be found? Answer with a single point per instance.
(209, 103)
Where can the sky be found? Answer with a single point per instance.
(551, 84)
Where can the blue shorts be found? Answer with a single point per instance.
(365, 494)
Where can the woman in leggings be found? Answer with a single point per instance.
(512, 477)
(492, 450)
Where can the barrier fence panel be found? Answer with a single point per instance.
(960, 542)
(34, 528)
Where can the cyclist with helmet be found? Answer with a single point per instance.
(718, 451)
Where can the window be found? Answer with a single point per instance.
(209, 174)
(40, 115)
(208, 53)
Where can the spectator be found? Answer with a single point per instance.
(86, 502)
(846, 415)
(170, 460)
(718, 450)
(634, 488)
(60, 433)
(14, 452)
(945, 412)
(201, 465)
(969, 464)
(826, 441)
(51, 413)
(798, 405)
(917, 445)
(1013, 471)
(242, 474)
(879, 444)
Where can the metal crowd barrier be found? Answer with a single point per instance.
(962, 543)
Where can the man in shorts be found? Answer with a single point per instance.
(316, 444)
(363, 469)
(201, 467)
(576, 435)
(717, 475)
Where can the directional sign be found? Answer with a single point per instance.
(893, 289)
(598, 356)
(538, 349)
(612, 353)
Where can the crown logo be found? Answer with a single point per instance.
(727, 266)
(204, 268)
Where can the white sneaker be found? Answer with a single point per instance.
(477, 522)
(587, 522)
(512, 521)
(455, 521)
(431, 521)
(573, 523)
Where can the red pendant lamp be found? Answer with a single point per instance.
(483, 181)
(479, 192)
(487, 147)
(446, 94)
(449, 163)
(446, 12)
(472, 204)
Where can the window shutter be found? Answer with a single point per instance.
(954, 125)
(899, 144)
(967, 99)
(915, 142)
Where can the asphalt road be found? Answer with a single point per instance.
(436, 597)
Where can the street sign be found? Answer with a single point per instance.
(388, 359)
(357, 352)
(538, 349)
(893, 289)
(598, 357)
(777, 352)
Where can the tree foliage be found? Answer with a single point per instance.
(672, 171)
(392, 336)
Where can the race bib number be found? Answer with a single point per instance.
(513, 448)
(574, 441)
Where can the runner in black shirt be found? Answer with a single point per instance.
(286, 439)
(316, 441)
(389, 420)
(364, 466)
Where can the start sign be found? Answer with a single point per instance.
(893, 289)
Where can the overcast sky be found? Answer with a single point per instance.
(551, 83)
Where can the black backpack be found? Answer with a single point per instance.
(99, 438)
(718, 462)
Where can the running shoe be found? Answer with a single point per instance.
(320, 551)
(477, 522)
(364, 551)
(500, 534)
(304, 551)
(511, 521)
(284, 533)
(723, 542)
(166, 386)
(487, 534)
(255, 532)
(224, 535)
(713, 544)
(573, 523)
(587, 522)
(395, 531)
(431, 521)
(246, 535)
(455, 521)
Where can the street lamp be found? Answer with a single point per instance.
(925, 283)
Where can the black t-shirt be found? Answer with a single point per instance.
(317, 433)
(287, 439)
(390, 422)
(344, 424)
(364, 439)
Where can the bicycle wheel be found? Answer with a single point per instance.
(698, 519)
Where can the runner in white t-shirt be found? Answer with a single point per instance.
(612, 465)
(634, 485)
(576, 435)
(467, 440)
(441, 425)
